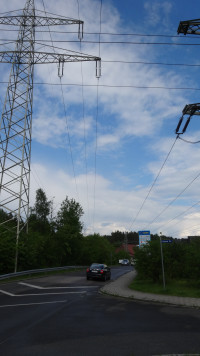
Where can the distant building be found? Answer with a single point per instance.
(129, 248)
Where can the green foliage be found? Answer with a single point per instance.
(38, 220)
(69, 215)
(98, 249)
(192, 261)
(68, 232)
(181, 261)
(119, 237)
(182, 287)
(42, 206)
(122, 255)
(148, 261)
(7, 252)
(7, 242)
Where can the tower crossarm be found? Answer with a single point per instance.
(44, 57)
(39, 21)
(189, 27)
(191, 109)
(188, 111)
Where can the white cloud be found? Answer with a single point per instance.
(158, 12)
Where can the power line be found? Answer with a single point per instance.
(112, 86)
(65, 112)
(116, 86)
(107, 33)
(187, 141)
(154, 182)
(177, 216)
(173, 200)
(151, 63)
(119, 42)
(96, 127)
(84, 126)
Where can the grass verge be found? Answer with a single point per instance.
(181, 288)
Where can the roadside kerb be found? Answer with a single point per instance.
(120, 288)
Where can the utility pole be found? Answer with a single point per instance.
(188, 27)
(16, 119)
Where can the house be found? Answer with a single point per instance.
(129, 248)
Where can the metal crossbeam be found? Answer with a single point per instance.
(189, 110)
(43, 57)
(189, 27)
(39, 21)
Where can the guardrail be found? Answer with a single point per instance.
(34, 271)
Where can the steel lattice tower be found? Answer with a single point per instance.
(16, 120)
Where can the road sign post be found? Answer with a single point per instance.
(144, 237)
(163, 270)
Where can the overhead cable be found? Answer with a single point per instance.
(173, 200)
(154, 182)
(96, 123)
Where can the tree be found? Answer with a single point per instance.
(42, 205)
(98, 249)
(38, 219)
(69, 228)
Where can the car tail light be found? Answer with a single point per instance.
(88, 270)
(101, 271)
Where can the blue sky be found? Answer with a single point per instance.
(105, 143)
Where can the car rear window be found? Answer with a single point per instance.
(95, 265)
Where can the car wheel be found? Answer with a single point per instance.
(105, 277)
(87, 278)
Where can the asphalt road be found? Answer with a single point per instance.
(66, 316)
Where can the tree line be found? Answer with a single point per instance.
(59, 241)
(52, 242)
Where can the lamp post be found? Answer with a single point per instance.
(161, 251)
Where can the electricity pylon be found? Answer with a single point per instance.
(16, 119)
(188, 27)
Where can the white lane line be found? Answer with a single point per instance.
(7, 293)
(79, 287)
(29, 304)
(30, 285)
(69, 287)
(40, 294)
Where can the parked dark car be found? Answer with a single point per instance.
(98, 270)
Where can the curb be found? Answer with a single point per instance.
(119, 288)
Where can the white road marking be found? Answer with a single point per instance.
(29, 304)
(39, 294)
(4, 292)
(69, 287)
(30, 285)
(49, 288)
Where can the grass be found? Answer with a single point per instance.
(181, 288)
